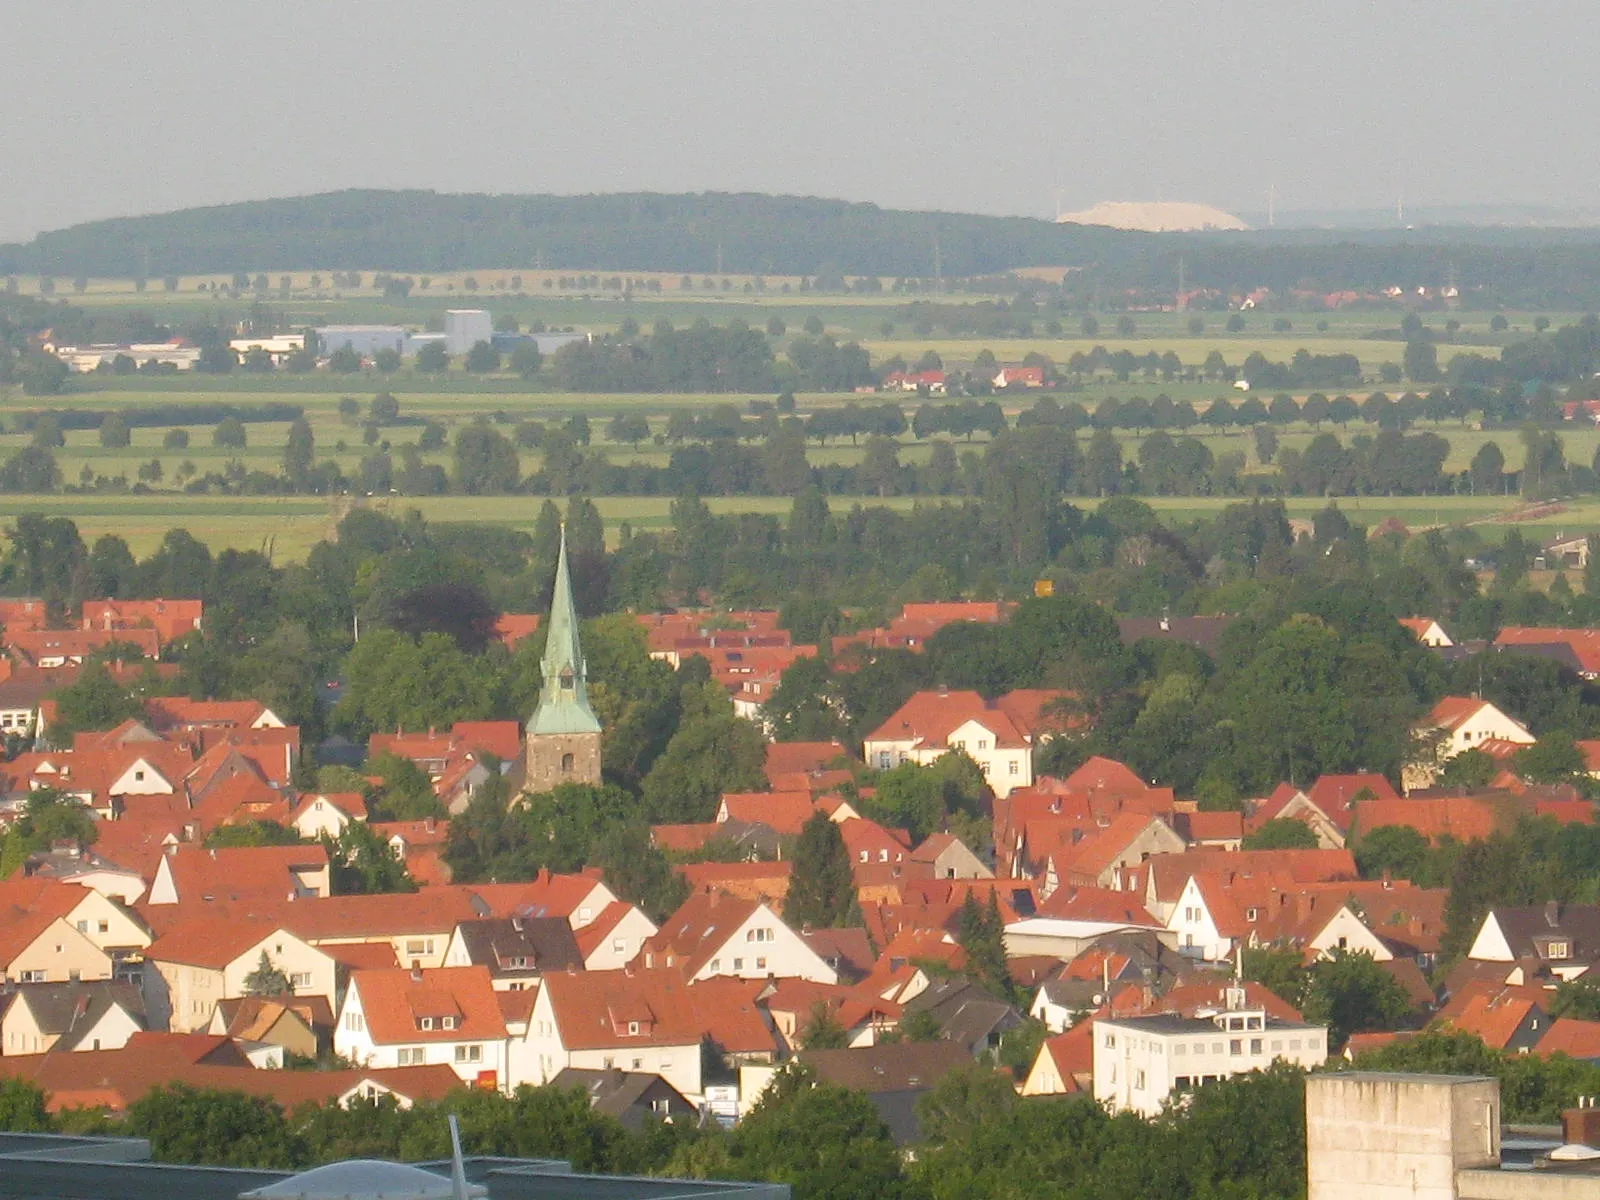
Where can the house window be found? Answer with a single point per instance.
(983, 744)
(1559, 950)
(619, 946)
(469, 1054)
(884, 760)
(716, 965)
(638, 1063)
(567, 763)
(1255, 1045)
(410, 1056)
(1138, 1080)
(863, 856)
(1014, 767)
(102, 927)
(83, 927)
(300, 979)
(761, 964)
(31, 977)
(738, 964)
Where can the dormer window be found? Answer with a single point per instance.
(567, 679)
(425, 1024)
(448, 1022)
(1559, 950)
(633, 1029)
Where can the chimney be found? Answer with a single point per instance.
(1552, 913)
(416, 973)
(1581, 1126)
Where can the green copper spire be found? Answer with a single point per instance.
(564, 695)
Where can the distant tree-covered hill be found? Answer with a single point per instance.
(430, 231)
(420, 231)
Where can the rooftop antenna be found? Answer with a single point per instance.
(458, 1170)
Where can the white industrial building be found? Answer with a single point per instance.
(365, 340)
(466, 327)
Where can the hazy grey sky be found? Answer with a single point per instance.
(109, 107)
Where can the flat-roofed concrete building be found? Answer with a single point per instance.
(1140, 1061)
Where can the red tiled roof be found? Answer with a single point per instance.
(170, 619)
(511, 628)
(27, 908)
(1072, 1053)
(1572, 1037)
(212, 942)
(207, 875)
(1494, 1020)
(929, 718)
(40, 644)
(800, 758)
(1097, 904)
(396, 1000)
(593, 1010)
(698, 930)
(1585, 643)
(116, 1079)
(784, 812)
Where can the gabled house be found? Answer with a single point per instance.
(458, 760)
(635, 1099)
(39, 1018)
(717, 934)
(39, 940)
(301, 1025)
(614, 939)
(409, 1018)
(193, 873)
(517, 951)
(945, 856)
(50, 648)
(1510, 1023)
(1552, 940)
(1427, 631)
(1456, 724)
(1102, 857)
(203, 961)
(169, 619)
(654, 1022)
(327, 814)
(1000, 735)
(1064, 1065)
(794, 1004)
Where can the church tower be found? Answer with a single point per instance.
(562, 741)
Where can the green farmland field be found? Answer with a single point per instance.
(885, 324)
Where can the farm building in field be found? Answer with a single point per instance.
(365, 340)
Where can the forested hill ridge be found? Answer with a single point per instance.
(432, 231)
(793, 235)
